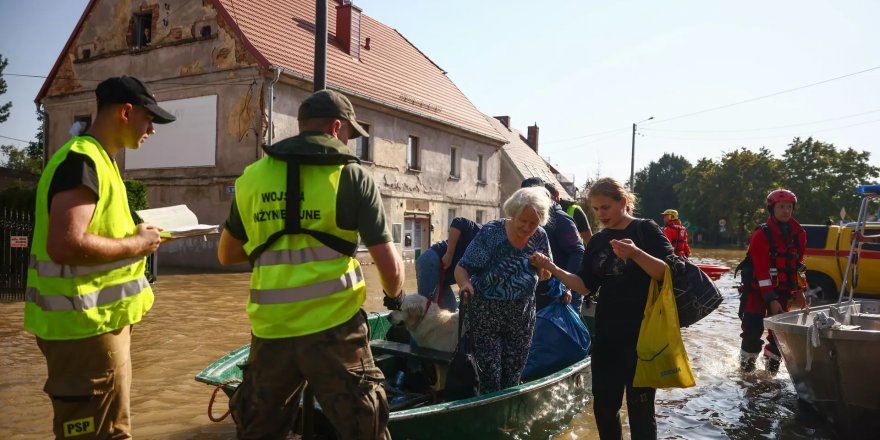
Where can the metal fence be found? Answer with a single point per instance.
(16, 232)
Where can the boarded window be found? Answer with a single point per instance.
(412, 153)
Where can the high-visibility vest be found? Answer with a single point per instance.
(299, 285)
(77, 301)
(571, 209)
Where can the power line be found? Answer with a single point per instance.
(657, 121)
(765, 128)
(585, 136)
(15, 139)
(760, 137)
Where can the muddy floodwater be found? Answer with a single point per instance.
(197, 318)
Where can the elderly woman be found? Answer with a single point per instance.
(495, 278)
(619, 263)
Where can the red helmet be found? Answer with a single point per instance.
(781, 195)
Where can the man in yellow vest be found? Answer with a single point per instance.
(86, 285)
(296, 218)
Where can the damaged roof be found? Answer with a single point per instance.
(390, 70)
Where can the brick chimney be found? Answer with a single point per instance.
(504, 120)
(348, 28)
(533, 137)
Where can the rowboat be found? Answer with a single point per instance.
(539, 407)
(713, 270)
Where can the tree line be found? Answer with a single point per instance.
(733, 189)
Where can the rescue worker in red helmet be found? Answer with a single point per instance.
(676, 233)
(776, 250)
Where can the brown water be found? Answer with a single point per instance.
(198, 318)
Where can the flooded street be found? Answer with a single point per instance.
(197, 318)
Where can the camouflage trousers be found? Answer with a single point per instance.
(339, 368)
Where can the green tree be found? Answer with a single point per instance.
(694, 196)
(655, 185)
(824, 178)
(17, 159)
(734, 189)
(4, 108)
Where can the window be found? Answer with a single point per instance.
(143, 27)
(481, 169)
(453, 162)
(412, 153)
(84, 122)
(480, 214)
(397, 232)
(450, 216)
(363, 145)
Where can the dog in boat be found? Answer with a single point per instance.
(435, 328)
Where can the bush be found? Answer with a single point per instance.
(20, 198)
(137, 198)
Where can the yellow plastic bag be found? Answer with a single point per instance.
(662, 359)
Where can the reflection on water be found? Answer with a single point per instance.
(200, 317)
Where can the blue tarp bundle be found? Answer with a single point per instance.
(560, 339)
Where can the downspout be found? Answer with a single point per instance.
(45, 132)
(271, 99)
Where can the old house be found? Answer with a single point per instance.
(520, 159)
(234, 73)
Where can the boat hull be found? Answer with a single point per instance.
(840, 381)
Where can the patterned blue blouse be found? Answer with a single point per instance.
(498, 269)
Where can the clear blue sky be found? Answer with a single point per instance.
(577, 68)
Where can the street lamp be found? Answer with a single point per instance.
(632, 162)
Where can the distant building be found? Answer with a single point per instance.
(521, 160)
(235, 72)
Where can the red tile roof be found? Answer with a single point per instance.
(393, 72)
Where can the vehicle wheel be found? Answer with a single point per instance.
(821, 287)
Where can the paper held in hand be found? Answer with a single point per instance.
(176, 221)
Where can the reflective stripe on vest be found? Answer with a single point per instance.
(296, 256)
(58, 303)
(54, 270)
(312, 291)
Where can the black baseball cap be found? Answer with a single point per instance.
(130, 90)
(532, 181)
(329, 104)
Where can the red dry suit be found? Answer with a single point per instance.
(678, 236)
(776, 274)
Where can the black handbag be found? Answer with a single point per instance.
(695, 293)
(463, 376)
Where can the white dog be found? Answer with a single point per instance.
(437, 329)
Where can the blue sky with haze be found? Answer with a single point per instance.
(584, 71)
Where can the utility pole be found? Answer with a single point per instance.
(632, 161)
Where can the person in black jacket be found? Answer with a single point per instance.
(566, 245)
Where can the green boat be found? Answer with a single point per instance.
(534, 409)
